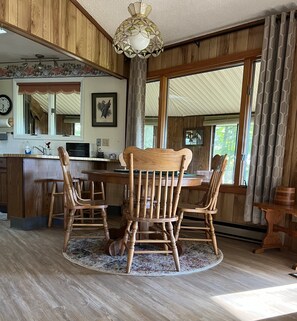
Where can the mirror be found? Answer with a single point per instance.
(43, 113)
(64, 109)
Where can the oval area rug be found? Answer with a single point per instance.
(89, 253)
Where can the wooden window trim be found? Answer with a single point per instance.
(247, 58)
(161, 136)
(245, 109)
(204, 65)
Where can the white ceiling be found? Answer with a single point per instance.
(15, 47)
(179, 20)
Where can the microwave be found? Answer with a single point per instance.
(78, 149)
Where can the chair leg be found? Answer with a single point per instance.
(102, 191)
(92, 196)
(178, 225)
(165, 236)
(79, 188)
(213, 235)
(66, 217)
(68, 230)
(52, 201)
(125, 238)
(174, 247)
(207, 226)
(131, 246)
(105, 225)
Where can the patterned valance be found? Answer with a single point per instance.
(49, 87)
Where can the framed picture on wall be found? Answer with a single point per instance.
(104, 109)
(194, 137)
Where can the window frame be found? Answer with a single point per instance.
(17, 112)
(247, 59)
(213, 153)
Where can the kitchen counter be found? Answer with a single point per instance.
(39, 156)
(25, 185)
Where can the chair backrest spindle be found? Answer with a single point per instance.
(158, 174)
(69, 190)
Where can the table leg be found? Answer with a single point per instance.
(272, 239)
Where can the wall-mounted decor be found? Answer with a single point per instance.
(48, 70)
(104, 109)
(194, 137)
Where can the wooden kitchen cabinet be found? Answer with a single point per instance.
(28, 194)
(3, 185)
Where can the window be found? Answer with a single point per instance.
(151, 114)
(216, 101)
(149, 137)
(48, 109)
(225, 142)
(225, 138)
(209, 100)
(250, 125)
(247, 156)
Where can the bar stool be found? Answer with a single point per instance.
(54, 194)
(87, 189)
(83, 186)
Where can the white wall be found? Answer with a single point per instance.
(116, 135)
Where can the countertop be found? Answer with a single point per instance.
(93, 159)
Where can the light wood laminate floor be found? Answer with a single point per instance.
(38, 283)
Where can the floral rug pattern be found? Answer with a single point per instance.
(89, 253)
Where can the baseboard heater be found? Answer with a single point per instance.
(236, 231)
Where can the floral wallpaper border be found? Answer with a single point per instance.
(25, 70)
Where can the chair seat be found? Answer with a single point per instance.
(161, 219)
(195, 208)
(89, 204)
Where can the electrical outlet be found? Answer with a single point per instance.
(105, 142)
(98, 141)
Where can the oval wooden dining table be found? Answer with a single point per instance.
(121, 177)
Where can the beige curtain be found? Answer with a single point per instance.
(271, 112)
(136, 103)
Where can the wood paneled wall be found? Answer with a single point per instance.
(176, 137)
(3, 182)
(215, 51)
(189, 57)
(60, 24)
(230, 204)
(209, 53)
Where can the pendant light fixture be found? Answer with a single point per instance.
(138, 35)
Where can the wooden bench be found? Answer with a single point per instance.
(274, 213)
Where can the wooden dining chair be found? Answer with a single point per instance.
(155, 177)
(75, 206)
(205, 209)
